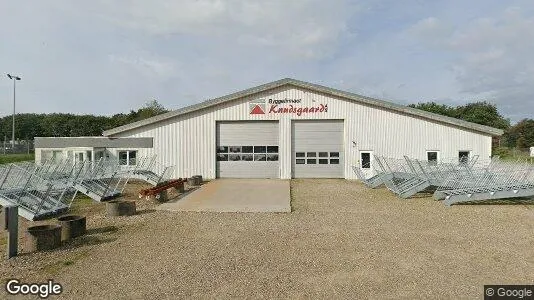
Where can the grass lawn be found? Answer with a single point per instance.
(10, 158)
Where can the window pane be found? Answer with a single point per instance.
(222, 149)
(311, 161)
(334, 154)
(323, 154)
(323, 161)
(132, 158)
(247, 149)
(463, 156)
(260, 149)
(272, 157)
(432, 156)
(311, 154)
(366, 160)
(235, 149)
(334, 161)
(247, 157)
(234, 157)
(123, 158)
(300, 161)
(300, 154)
(222, 157)
(272, 149)
(259, 157)
(123, 155)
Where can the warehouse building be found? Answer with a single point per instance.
(294, 129)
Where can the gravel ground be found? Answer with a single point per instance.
(341, 241)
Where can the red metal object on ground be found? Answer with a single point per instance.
(175, 183)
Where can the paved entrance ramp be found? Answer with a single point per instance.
(236, 195)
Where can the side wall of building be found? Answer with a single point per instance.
(188, 141)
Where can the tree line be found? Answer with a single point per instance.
(28, 126)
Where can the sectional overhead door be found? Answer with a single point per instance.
(317, 149)
(247, 149)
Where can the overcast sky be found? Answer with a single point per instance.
(106, 57)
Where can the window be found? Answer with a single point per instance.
(234, 157)
(260, 157)
(365, 158)
(272, 157)
(222, 149)
(247, 157)
(313, 158)
(432, 157)
(222, 157)
(247, 153)
(132, 158)
(57, 155)
(247, 149)
(99, 155)
(272, 149)
(463, 156)
(128, 157)
(235, 149)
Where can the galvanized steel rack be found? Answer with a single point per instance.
(49, 188)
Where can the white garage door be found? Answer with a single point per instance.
(247, 150)
(317, 149)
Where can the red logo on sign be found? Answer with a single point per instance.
(257, 110)
(257, 107)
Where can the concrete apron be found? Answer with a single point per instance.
(236, 195)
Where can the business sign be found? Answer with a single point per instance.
(284, 106)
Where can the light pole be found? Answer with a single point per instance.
(14, 78)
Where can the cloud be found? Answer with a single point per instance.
(310, 29)
(492, 57)
(162, 68)
(106, 57)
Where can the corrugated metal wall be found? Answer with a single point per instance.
(188, 141)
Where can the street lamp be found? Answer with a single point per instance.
(14, 78)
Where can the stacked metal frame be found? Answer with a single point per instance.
(49, 188)
(455, 181)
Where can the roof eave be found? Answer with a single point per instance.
(319, 88)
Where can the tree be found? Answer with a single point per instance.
(29, 126)
(433, 107)
(521, 135)
(482, 113)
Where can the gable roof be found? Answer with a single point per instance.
(313, 87)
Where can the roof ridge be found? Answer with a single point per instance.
(314, 87)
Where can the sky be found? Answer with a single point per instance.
(105, 57)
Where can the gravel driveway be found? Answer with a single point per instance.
(341, 241)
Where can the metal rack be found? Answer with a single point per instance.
(50, 188)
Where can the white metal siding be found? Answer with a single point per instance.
(315, 137)
(188, 141)
(248, 133)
